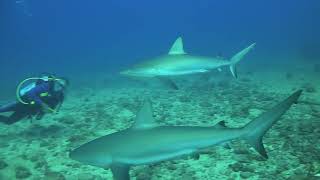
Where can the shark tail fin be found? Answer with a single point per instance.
(236, 58)
(255, 130)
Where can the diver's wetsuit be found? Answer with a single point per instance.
(21, 111)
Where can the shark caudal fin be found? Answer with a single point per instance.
(236, 58)
(255, 130)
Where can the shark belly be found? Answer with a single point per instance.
(166, 143)
(180, 72)
(189, 65)
(153, 158)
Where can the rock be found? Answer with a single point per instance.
(50, 175)
(205, 104)
(40, 164)
(67, 119)
(245, 79)
(51, 130)
(255, 112)
(44, 144)
(241, 150)
(171, 167)
(34, 158)
(76, 138)
(289, 76)
(143, 176)
(246, 175)
(242, 158)
(87, 176)
(301, 177)
(236, 167)
(22, 172)
(3, 164)
(244, 111)
(86, 99)
(223, 84)
(184, 99)
(187, 176)
(309, 88)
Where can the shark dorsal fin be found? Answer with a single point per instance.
(144, 118)
(177, 47)
(220, 125)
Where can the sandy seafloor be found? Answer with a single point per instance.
(39, 150)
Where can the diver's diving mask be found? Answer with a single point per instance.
(60, 84)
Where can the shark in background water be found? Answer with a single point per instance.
(178, 62)
(147, 143)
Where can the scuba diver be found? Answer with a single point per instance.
(42, 95)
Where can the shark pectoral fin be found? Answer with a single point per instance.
(222, 125)
(144, 118)
(177, 47)
(168, 82)
(257, 144)
(233, 71)
(120, 172)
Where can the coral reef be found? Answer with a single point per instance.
(39, 149)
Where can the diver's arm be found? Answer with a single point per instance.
(36, 100)
(47, 109)
(57, 108)
(35, 97)
(43, 105)
(60, 98)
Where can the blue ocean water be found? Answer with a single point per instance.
(75, 37)
(83, 40)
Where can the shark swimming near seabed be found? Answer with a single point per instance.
(147, 143)
(178, 62)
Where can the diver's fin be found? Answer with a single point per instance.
(177, 47)
(236, 58)
(144, 118)
(168, 82)
(255, 130)
(120, 172)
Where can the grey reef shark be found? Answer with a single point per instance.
(145, 142)
(178, 62)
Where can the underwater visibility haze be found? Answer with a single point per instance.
(159, 89)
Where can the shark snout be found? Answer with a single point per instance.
(133, 73)
(91, 156)
(79, 155)
(74, 154)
